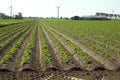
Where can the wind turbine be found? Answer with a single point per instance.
(58, 8)
(11, 10)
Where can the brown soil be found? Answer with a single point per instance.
(61, 75)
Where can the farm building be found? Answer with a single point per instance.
(88, 18)
(75, 18)
(94, 18)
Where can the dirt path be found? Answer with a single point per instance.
(37, 50)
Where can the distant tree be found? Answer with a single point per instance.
(16, 17)
(111, 16)
(119, 16)
(98, 14)
(4, 16)
(115, 16)
(102, 14)
(19, 16)
(61, 17)
(107, 15)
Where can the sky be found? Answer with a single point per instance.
(68, 8)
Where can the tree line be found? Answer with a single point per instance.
(107, 15)
(17, 16)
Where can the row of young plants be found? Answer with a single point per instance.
(107, 45)
(11, 53)
(11, 39)
(98, 41)
(95, 45)
(8, 29)
(92, 44)
(12, 28)
(12, 33)
(26, 59)
(104, 46)
(100, 52)
(76, 49)
(88, 31)
(10, 21)
(64, 53)
(44, 47)
(5, 25)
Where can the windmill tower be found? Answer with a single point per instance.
(11, 10)
(58, 7)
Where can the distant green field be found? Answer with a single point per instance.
(9, 21)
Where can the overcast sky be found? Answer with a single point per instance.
(68, 8)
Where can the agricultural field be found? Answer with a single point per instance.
(59, 50)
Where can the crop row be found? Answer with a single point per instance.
(17, 30)
(10, 28)
(107, 45)
(45, 48)
(76, 49)
(94, 46)
(2, 39)
(91, 35)
(29, 49)
(10, 39)
(64, 53)
(10, 54)
(10, 31)
(4, 22)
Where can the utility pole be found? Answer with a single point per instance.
(58, 11)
